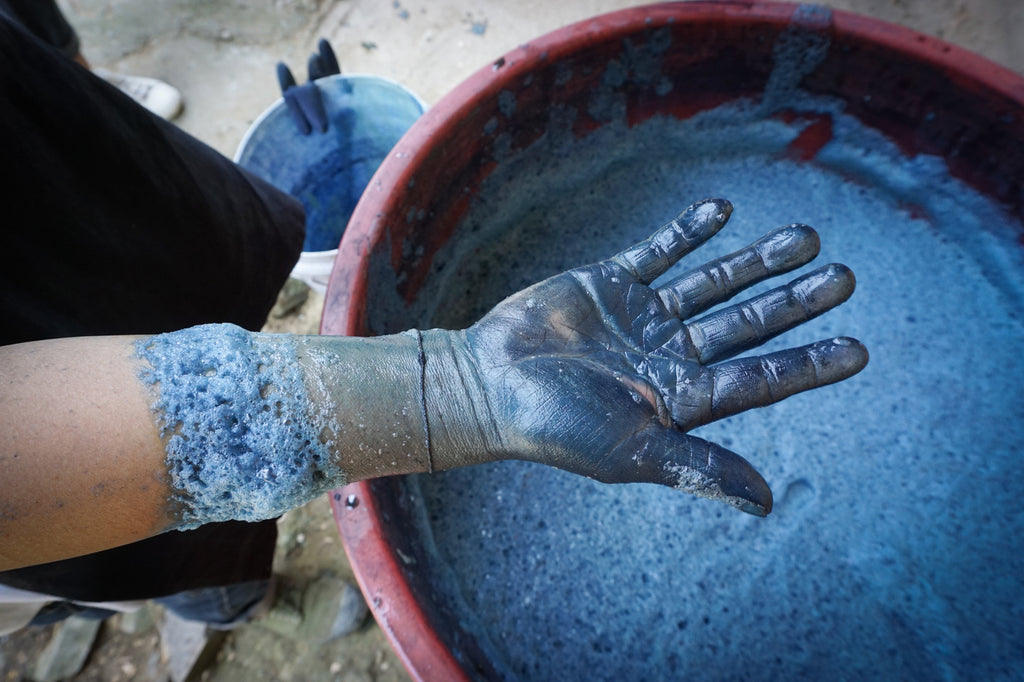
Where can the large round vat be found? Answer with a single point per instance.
(896, 548)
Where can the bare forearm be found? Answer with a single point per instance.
(81, 463)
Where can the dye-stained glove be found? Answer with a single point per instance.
(305, 102)
(597, 372)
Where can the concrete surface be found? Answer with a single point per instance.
(222, 56)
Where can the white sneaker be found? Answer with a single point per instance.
(162, 99)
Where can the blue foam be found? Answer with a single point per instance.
(235, 417)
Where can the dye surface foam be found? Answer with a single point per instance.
(896, 548)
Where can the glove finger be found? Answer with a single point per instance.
(328, 59)
(650, 258)
(672, 458)
(780, 251)
(285, 79)
(315, 66)
(743, 326)
(746, 383)
(312, 104)
(296, 110)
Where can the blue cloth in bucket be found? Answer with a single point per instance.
(328, 171)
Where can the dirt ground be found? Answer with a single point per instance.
(222, 56)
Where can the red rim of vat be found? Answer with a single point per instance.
(362, 527)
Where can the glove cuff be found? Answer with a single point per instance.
(460, 426)
(373, 390)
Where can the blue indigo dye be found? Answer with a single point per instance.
(328, 172)
(233, 412)
(896, 547)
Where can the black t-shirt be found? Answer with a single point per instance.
(113, 221)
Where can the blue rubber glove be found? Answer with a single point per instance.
(305, 102)
(599, 373)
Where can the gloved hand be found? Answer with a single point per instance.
(596, 372)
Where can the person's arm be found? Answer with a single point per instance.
(108, 440)
(81, 464)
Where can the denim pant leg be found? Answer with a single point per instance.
(218, 607)
(56, 611)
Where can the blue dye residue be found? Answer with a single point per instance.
(896, 548)
(233, 412)
(331, 187)
(327, 172)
